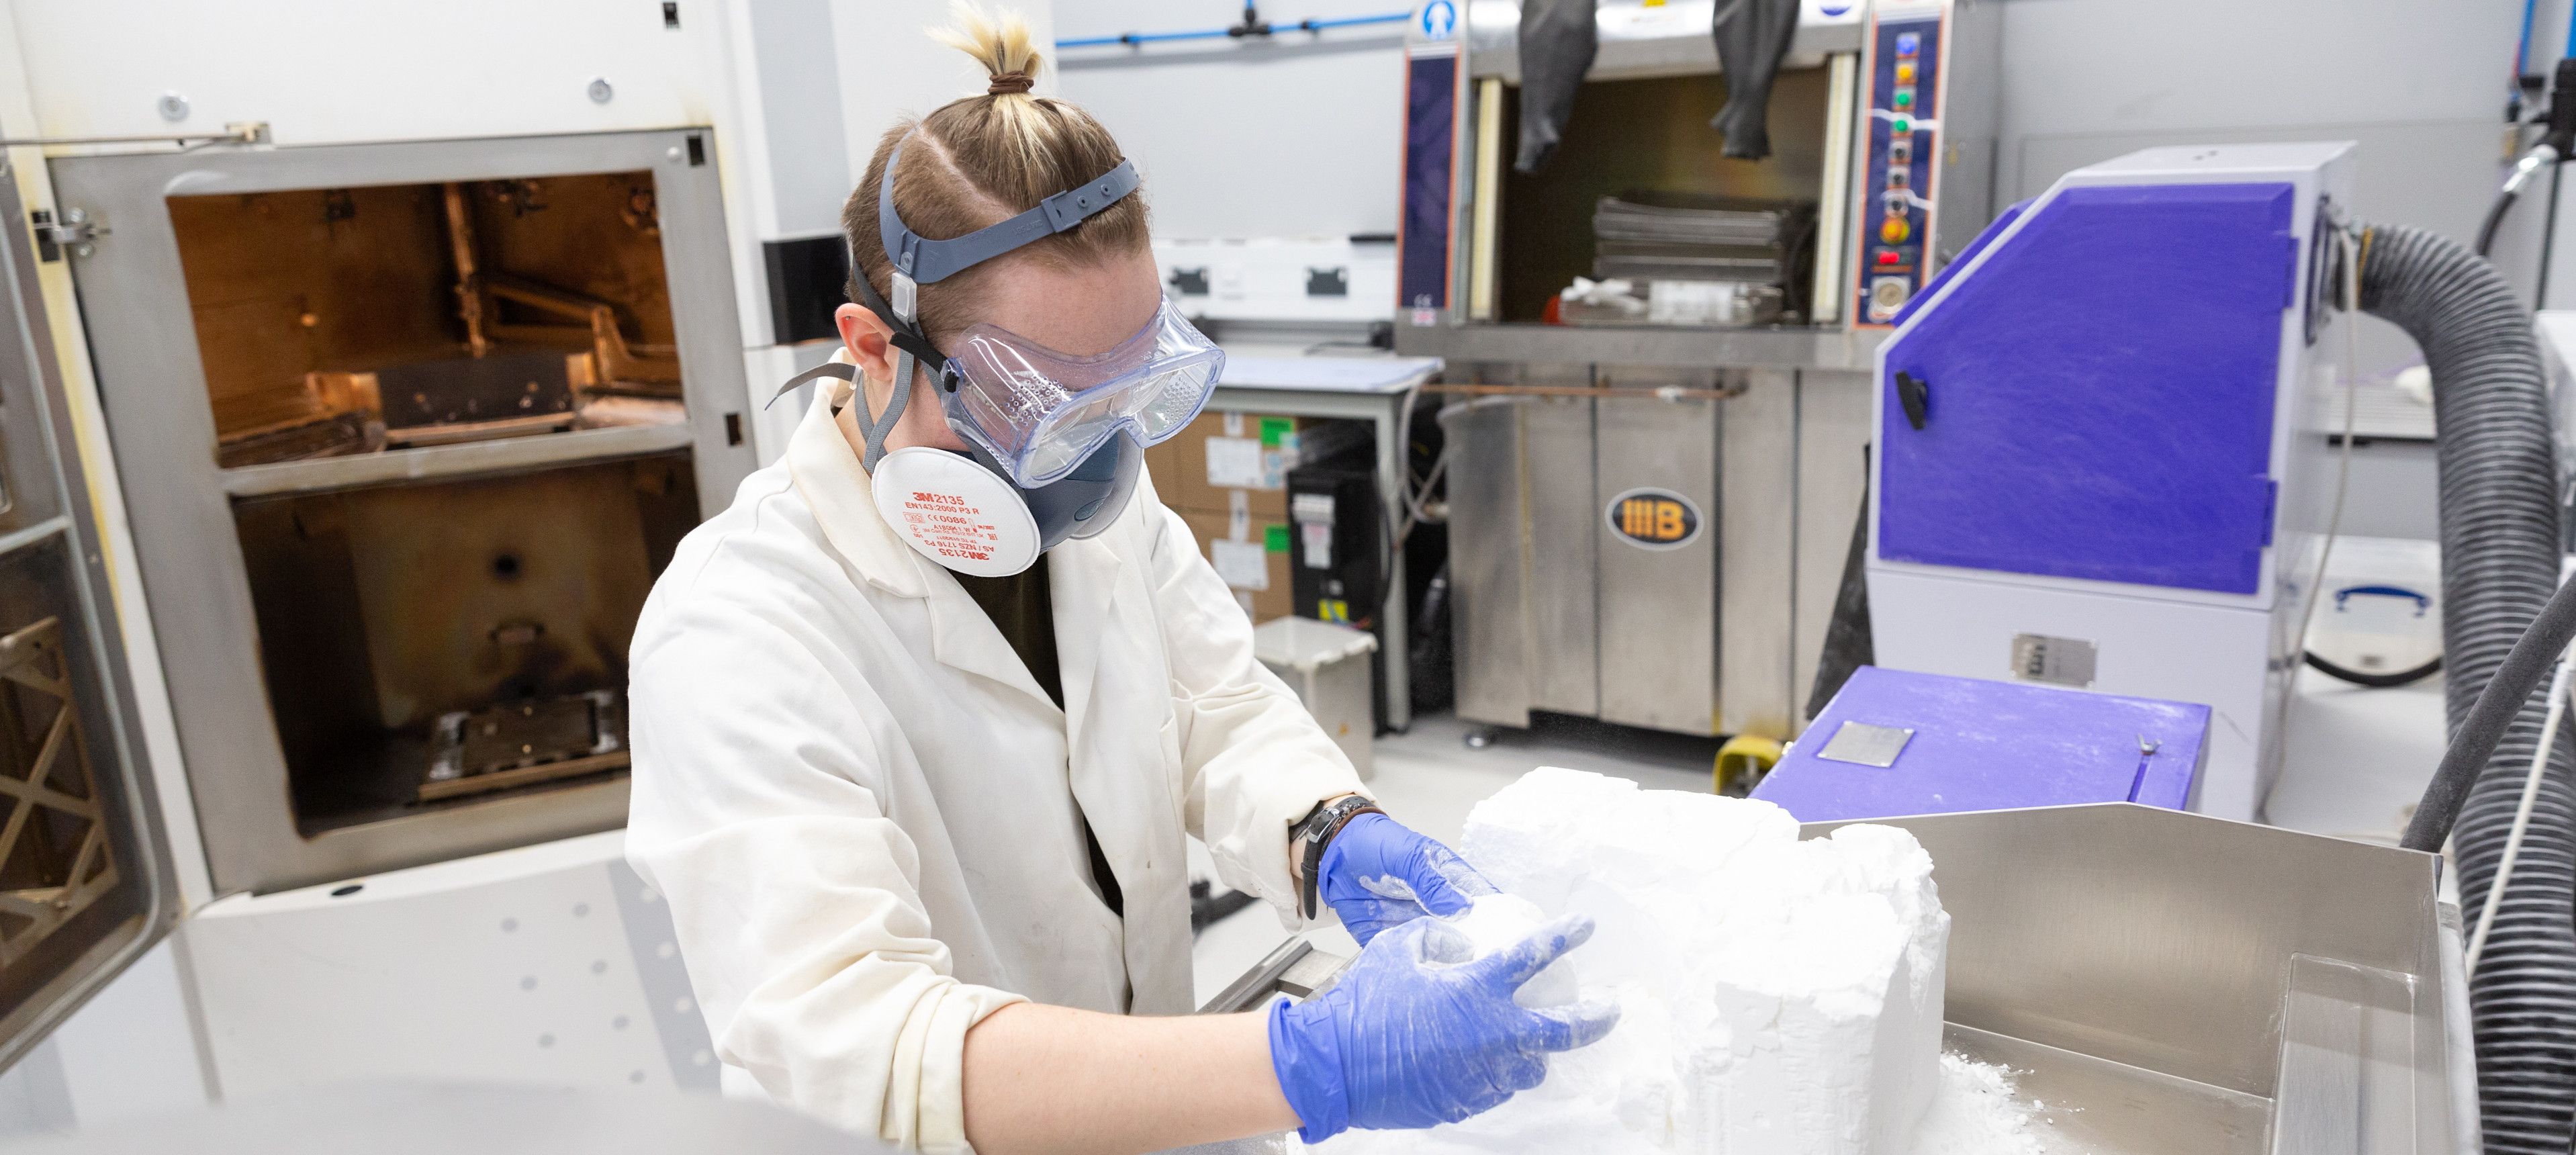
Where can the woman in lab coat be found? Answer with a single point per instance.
(921, 720)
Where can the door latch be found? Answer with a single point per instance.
(76, 231)
(1915, 394)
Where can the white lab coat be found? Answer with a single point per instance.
(861, 806)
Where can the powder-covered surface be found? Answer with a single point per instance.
(1976, 1112)
(1499, 920)
(1777, 997)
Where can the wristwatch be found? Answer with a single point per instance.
(1315, 831)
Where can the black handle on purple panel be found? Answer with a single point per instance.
(1915, 394)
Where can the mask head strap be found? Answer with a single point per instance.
(919, 261)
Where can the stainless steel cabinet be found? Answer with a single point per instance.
(1656, 559)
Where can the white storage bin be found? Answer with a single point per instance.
(1328, 666)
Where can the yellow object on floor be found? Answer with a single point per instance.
(1743, 760)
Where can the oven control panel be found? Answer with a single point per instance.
(1903, 139)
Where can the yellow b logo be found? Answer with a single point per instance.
(1654, 518)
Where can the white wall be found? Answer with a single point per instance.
(891, 68)
(1300, 136)
(2420, 85)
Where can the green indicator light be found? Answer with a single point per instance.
(1901, 125)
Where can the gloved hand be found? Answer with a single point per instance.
(1376, 874)
(1415, 1033)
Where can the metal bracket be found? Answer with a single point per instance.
(76, 231)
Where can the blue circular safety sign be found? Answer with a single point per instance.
(1439, 19)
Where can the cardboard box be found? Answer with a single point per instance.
(1163, 465)
(1252, 558)
(1228, 460)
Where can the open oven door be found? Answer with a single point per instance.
(85, 878)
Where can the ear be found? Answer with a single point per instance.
(869, 338)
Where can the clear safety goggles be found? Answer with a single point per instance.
(1039, 412)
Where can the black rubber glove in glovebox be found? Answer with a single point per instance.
(1752, 38)
(1557, 41)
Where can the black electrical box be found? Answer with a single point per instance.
(1337, 550)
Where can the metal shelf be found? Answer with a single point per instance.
(1660, 345)
(454, 460)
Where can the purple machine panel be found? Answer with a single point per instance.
(2096, 400)
(1893, 743)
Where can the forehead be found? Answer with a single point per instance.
(1081, 311)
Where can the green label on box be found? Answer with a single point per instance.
(1273, 429)
(1274, 538)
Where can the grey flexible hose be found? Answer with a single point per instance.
(2500, 550)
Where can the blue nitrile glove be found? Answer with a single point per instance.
(1415, 1033)
(1376, 873)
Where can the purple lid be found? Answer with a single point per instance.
(1981, 745)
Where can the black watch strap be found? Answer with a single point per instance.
(1313, 833)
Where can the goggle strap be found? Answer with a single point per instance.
(907, 335)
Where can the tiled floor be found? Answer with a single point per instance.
(2357, 760)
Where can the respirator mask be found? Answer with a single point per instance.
(1054, 440)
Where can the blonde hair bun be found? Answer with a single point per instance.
(979, 159)
(999, 41)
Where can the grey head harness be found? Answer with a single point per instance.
(919, 261)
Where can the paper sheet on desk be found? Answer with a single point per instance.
(1339, 374)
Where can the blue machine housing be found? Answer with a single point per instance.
(2099, 461)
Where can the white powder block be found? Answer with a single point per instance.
(1777, 997)
(1497, 921)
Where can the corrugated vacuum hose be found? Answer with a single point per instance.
(2501, 546)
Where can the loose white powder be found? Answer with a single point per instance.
(1975, 1113)
(1777, 996)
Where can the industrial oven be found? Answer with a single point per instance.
(85, 879)
(407, 430)
(1659, 352)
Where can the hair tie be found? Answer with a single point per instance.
(1008, 82)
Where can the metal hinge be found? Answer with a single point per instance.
(76, 231)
